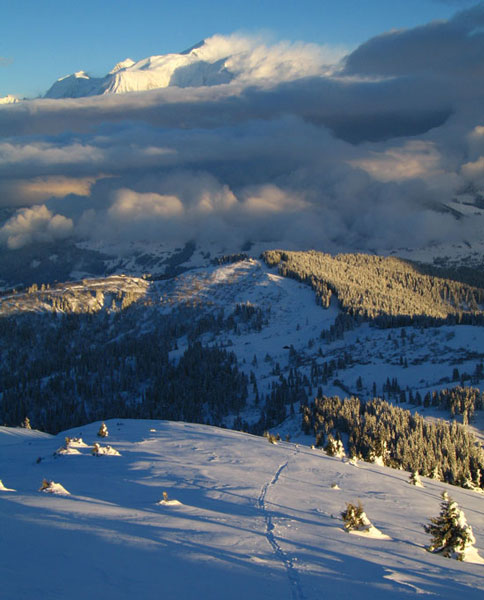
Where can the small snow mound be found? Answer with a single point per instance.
(169, 503)
(51, 487)
(335, 486)
(99, 450)
(370, 532)
(64, 451)
(5, 489)
(471, 555)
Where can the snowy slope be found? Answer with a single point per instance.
(255, 520)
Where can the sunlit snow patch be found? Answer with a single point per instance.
(63, 450)
(370, 532)
(5, 489)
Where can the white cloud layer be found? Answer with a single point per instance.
(36, 224)
(357, 157)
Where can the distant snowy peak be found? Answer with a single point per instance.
(217, 60)
(124, 64)
(76, 85)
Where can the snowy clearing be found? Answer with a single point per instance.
(259, 520)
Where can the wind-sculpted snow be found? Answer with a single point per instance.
(111, 538)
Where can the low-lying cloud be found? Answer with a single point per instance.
(364, 154)
(36, 224)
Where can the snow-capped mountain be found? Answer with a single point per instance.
(214, 61)
(241, 518)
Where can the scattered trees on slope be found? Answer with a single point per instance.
(402, 439)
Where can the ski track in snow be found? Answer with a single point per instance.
(292, 574)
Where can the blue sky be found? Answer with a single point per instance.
(41, 41)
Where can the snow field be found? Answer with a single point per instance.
(255, 520)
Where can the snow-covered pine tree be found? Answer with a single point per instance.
(103, 430)
(334, 447)
(451, 535)
(414, 479)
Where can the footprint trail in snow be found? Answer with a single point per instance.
(292, 574)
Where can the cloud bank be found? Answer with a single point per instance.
(36, 224)
(364, 155)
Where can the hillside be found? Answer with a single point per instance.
(119, 346)
(253, 518)
(386, 287)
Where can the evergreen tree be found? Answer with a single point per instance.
(354, 517)
(103, 430)
(451, 535)
(415, 479)
(334, 447)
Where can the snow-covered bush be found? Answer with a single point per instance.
(451, 535)
(165, 501)
(354, 517)
(70, 446)
(51, 487)
(273, 439)
(76, 442)
(99, 450)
